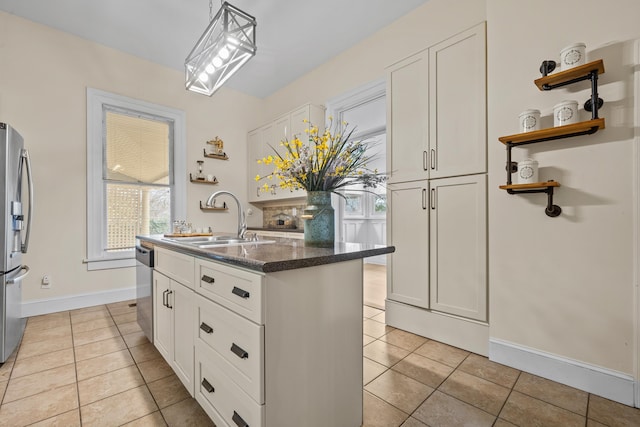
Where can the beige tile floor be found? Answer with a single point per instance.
(94, 367)
(411, 381)
(375, 285)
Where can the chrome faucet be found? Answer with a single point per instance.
(242, 223)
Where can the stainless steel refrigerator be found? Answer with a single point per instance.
(14, 230)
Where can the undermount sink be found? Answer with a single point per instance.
(204, 242)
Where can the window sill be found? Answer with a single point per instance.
(107, 264)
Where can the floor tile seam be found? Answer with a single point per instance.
(378, 376)
(487, 379)
(41, 392)
(496, 416)
(111, 395)
(75, 362)
(91, 320)
(511, 390)
(97, 329)
(53, 416)
(394, 406)
(144, 380)
(554, 404)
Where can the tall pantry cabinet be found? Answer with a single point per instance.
(437, 157)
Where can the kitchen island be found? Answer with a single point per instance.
(264, 333)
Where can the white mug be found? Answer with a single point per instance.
(210, 178)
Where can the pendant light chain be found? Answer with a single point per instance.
(210, 10)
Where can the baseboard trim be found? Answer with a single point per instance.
(603, 382)
(72, 302)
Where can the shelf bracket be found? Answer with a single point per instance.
(551, 210)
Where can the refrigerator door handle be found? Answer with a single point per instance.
(19, 276)
(27, 162)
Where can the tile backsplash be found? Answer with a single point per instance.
(285, 217)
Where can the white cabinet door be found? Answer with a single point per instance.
(162, 315)
(458, 227)
(281, 131)
(182, 300)
(457, 110)
(173, 327)
(408, 119)
(408, 231)
(268, 138)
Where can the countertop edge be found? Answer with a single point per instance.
(272, 266)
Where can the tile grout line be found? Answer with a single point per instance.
(75, 368)
(144, 380)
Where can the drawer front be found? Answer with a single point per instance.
(238, 290)
(239, 342)
(221, 397)
(175, 265)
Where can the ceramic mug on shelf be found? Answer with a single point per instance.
(527, 171)
(572, 56)
(565, 113)
(529, 120)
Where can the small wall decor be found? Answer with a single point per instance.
(215, 150)
(216, 146)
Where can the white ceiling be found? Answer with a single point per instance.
(293, 36)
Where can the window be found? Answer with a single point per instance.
(135, 175)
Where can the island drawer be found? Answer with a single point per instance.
(174, 265)
(238, 290)
(220, 397)
(239, 342)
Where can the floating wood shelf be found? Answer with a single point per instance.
(576, 129)
(202, 181)
(215, 156)
(577, 74)
(580, 72)
(208, 208)
(533, 185)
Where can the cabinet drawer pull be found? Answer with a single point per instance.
(433, 158)
(238, 420)
(425, 161)
(240, 292)
(207, 386)
(424, 198)
(169, 293)
(164, 297)
(208, 329)
(208, 279)
(433, 198)
(238, 351)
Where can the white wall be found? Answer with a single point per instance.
(564, 285)
(44, 74)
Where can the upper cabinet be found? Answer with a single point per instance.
(436, 110)
(261, 143)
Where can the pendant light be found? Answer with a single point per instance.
(225, 46)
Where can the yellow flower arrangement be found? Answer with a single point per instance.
(328, 162)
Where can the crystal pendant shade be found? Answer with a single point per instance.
(225, 46)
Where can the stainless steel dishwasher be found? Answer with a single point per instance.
(144, 290)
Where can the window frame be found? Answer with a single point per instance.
(97, 257)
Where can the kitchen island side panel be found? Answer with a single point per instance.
(313, 346)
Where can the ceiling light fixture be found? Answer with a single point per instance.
(225, 46)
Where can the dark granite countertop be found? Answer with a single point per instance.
(283, 254)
